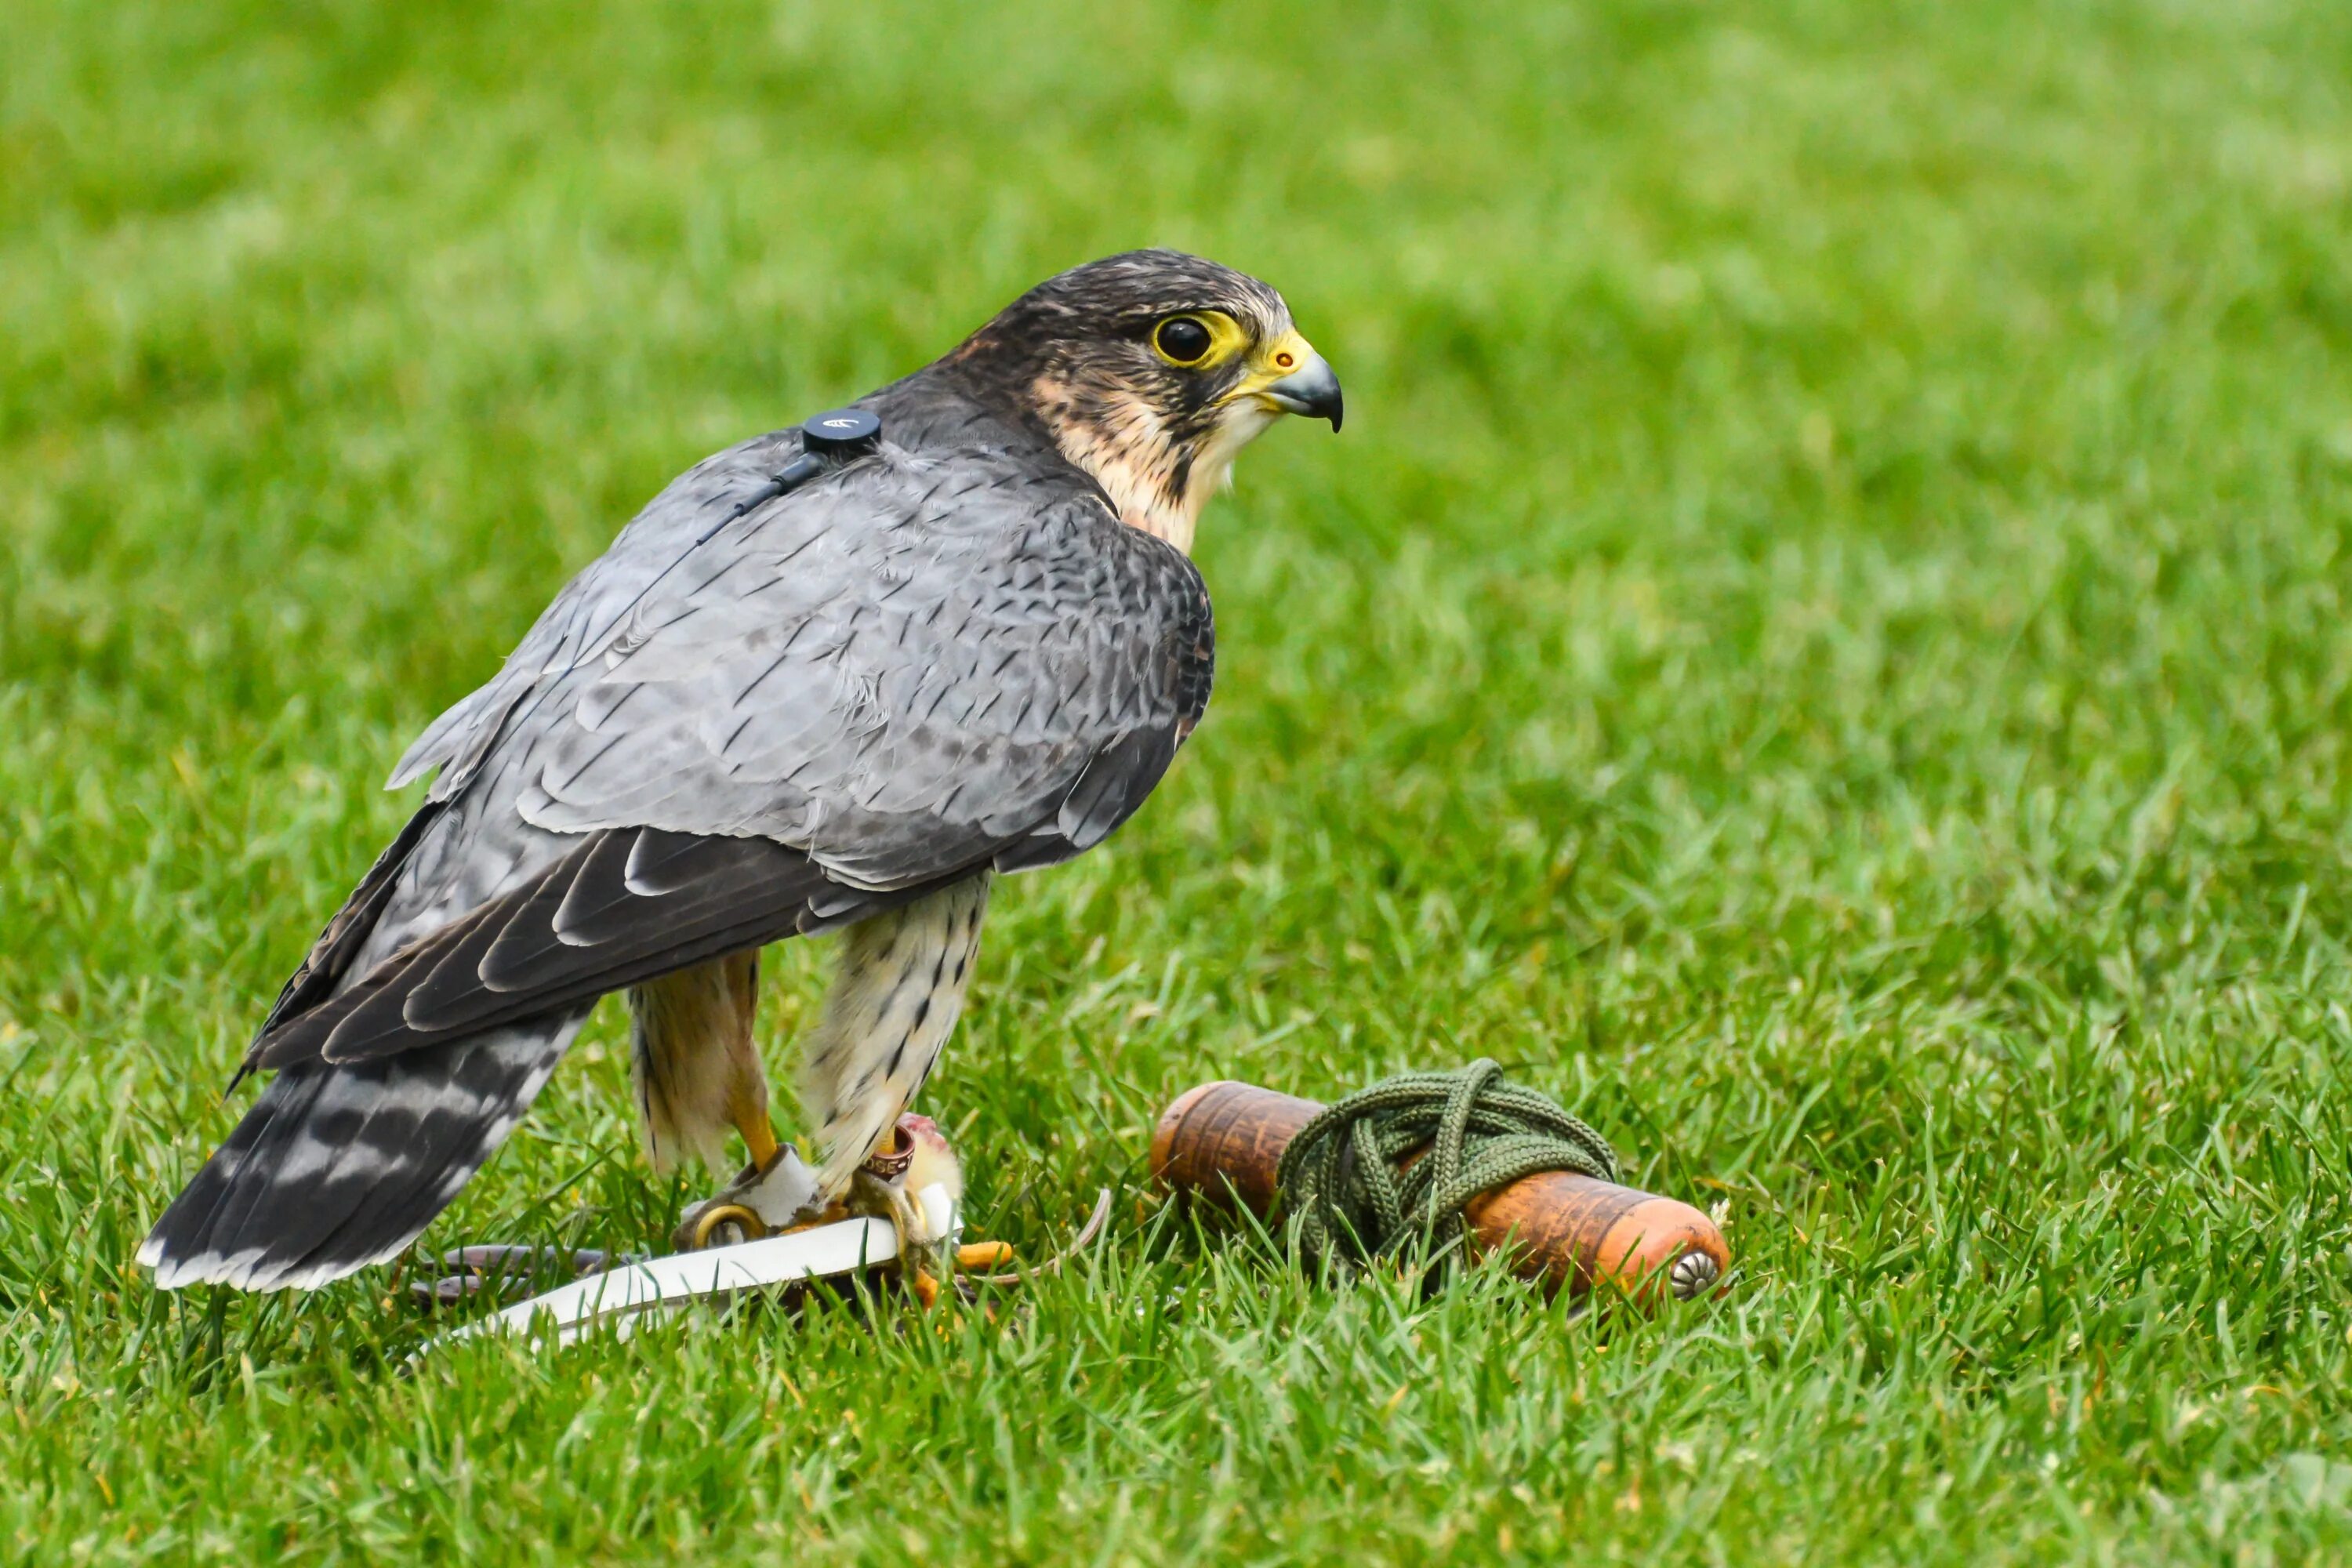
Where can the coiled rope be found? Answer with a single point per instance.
(1338, 1175)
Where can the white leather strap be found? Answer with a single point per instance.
(618, 1295)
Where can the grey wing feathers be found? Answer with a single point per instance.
(755, 715)
(330, 956)
(908, 672)
(903, 669)
(626, 905)
(913, 670)
(721, 486)
(340, 1165)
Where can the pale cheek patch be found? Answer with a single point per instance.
(1126, 449)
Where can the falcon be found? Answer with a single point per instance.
(837, 677)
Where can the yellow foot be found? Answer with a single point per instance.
(832, 1215)
(983, 1254)
(881, 1192)
(759, 1138)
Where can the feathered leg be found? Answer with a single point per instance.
(895, 996)
(697, 1065)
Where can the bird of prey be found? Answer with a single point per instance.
(814, 684)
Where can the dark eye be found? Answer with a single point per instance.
(1183, 339)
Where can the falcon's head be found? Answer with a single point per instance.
(1152, 370)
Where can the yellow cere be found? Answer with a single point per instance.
(1275, 360)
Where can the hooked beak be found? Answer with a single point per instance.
(1312, 389)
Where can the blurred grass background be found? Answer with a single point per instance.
(1822, 645)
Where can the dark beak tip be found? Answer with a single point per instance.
(1313, 391)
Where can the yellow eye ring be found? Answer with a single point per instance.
(1183, 340)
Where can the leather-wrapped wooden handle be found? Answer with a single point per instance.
(1224, 1141)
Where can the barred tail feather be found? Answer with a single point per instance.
(340, 1165)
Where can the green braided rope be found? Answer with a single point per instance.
(1338, 1176)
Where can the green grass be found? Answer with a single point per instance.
(1823, 642)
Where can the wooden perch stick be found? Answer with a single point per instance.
(1223, 1141)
